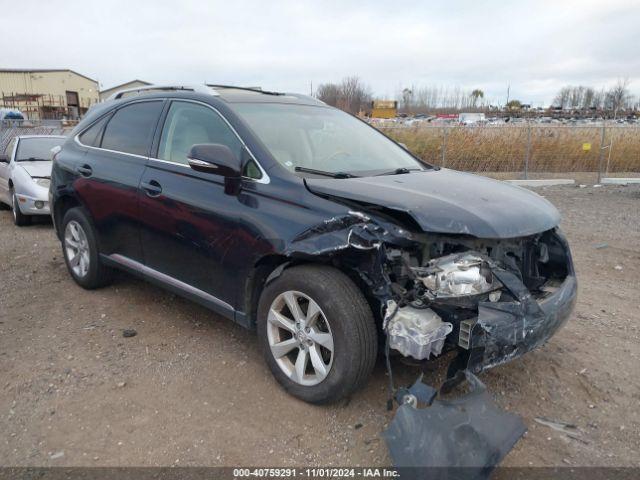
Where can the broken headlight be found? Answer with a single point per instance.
(458, 275)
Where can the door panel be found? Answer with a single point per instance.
(110, 193)
(187, 227)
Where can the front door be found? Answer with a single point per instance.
(188, 223)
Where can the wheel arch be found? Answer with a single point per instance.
(270, 267)
(61, 206)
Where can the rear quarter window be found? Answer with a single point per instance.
(131, 128)
(93, 135)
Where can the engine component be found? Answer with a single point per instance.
(417, 333)
(457, 275)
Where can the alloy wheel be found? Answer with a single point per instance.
(76, 248)
(300, 338)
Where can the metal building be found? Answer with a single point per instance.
(48, 94)
(104, 94)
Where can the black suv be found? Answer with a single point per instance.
(299, 220)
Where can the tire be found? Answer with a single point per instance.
(18, 217)
(344, 315)
(85, 268)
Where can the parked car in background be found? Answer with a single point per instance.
(25, 173)
(303, 222)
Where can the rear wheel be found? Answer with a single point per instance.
(18, 217)
(317, 333)
(80, 249)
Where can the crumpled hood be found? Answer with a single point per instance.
(37, 169)
(451, 202)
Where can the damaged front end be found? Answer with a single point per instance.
(491, 300)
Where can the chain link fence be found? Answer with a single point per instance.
(587, 152)
(8, 131)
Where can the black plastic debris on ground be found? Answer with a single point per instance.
(129, 332)
(465, 437)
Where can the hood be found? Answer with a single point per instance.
(451, 202)
(37, 169)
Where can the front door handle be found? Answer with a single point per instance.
(85, 170)
(152, 188)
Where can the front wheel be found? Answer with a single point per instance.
(317, 333)
(18, 217)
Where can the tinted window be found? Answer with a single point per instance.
(33, 149)
(188, 124)
(131, 128)
(93, 135)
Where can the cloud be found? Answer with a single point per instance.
(534, 46)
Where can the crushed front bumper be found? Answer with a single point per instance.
(507, 330)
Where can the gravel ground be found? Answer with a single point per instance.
(191, 389)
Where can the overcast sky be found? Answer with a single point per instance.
(535, 46)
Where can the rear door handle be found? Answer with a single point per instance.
(85, 170)
(152, 188)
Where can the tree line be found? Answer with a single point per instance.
(354, 96)
(579, 97)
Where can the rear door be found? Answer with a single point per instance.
(188, 223)
(110, 172)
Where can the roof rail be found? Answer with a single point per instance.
(163, 88)
(248, 89)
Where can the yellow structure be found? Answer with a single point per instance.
(384, 109)
(47, 94)
(104, 94)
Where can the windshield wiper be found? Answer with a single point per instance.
(33, 159)
(326, 174)
(399, 171)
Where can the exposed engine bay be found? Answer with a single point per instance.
(444, 283)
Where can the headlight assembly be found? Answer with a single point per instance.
(43, 182)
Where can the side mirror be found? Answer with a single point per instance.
(214, 158)
(4, 158)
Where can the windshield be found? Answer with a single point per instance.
(324, 139)
(36, 148)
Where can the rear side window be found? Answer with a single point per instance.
(92, 136)
(131, 128)
(188, 124)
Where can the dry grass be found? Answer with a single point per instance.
(504, 148)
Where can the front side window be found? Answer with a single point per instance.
(36, 149)
(131, 128)
(188, 124)
(323, 138)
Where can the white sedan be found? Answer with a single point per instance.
(25, 174)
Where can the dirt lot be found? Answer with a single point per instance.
(191, 388)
